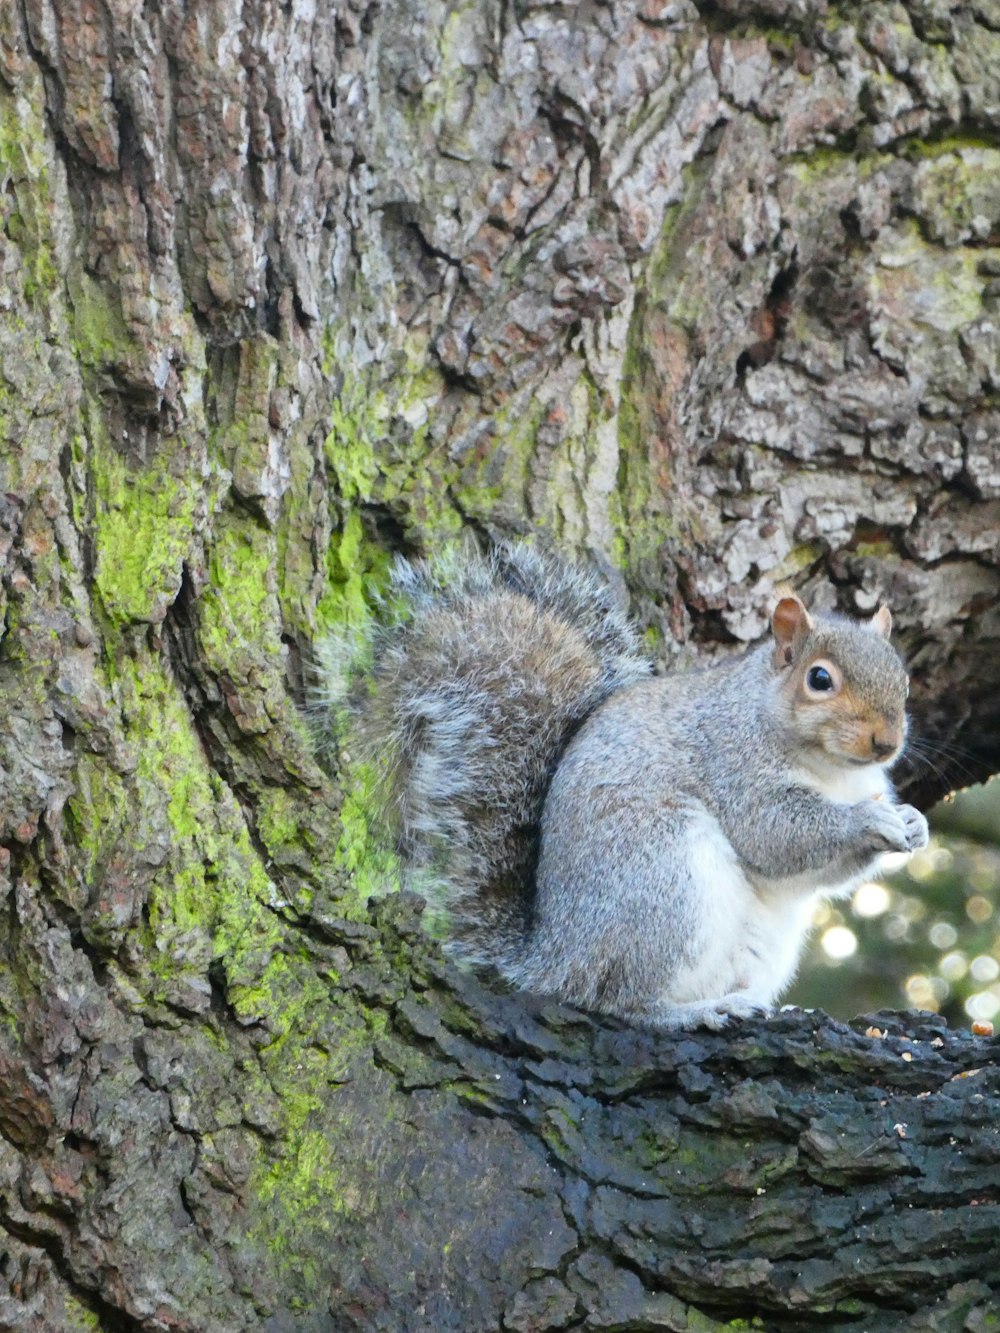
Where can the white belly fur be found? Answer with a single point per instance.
(847, 785)
(746, 941)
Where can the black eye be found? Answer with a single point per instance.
(819, 679)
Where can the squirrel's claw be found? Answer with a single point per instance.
(712, 1014)
(916, 828)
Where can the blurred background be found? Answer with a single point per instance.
(924, 937)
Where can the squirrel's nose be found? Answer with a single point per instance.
(882, 748)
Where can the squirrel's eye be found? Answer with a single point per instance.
(819, 679)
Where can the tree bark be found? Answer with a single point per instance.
(704, 293)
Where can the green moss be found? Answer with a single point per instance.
(379, 449)
(361, 851)
(213, 900)
(421, 387)
(143, 523)
(295, 535)
(211, 908)
(212, 904)
(307, 1185)
(957, 194)
(77, 1318)
(798, 558)
(357, 574)
(884, 550)
(100, 335)
(23, 136)
(97, 812)
(305, 1178)
(920, 150)
(277, 817)
(357, 419)
(941, 290)
(239, 618)
(243, 398)
(210, 860)
(640, 509)
(356, 567)
(500, 466)
(302, 1187)
(377, 1021)
(674, 282)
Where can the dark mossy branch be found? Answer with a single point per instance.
(799, 1170)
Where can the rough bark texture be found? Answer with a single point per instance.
(705, 292)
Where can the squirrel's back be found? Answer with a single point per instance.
(488, 666)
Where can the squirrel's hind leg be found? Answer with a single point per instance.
(714, 1014)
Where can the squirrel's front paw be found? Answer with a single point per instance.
(885, 827)
(895, 828)
(916, 827)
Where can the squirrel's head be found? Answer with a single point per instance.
(842, 684)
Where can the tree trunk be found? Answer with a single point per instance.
(704, 293)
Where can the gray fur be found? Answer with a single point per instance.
(614, 911)
(485, 668)
(645, 847)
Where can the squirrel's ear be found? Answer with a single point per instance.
(881, 622)
(789, 620)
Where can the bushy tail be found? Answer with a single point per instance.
(485, 670)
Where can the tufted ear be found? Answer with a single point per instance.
(881, 622)
(789, 618)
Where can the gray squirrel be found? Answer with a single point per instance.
(648, 847)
